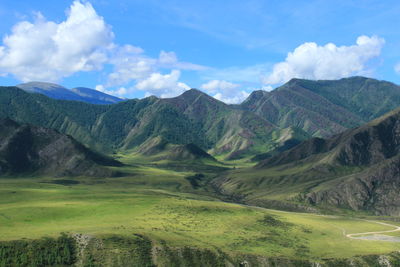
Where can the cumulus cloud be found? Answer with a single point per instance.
(45, 50)
(311, 61)
(227, 92)
(130, 64)
(167, 85)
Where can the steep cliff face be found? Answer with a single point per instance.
(26, 149)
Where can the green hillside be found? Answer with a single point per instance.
(322, 108)
(355, 170)
(192, 117)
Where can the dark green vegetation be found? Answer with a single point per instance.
(323, 108)
(357, 169)
(138, 251)
(42, 252)
(31, 151)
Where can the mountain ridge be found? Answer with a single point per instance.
(56, 91)
(355, 170)
(325, 107)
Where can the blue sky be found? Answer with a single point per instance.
(226, 48)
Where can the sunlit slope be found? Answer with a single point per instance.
(111, 206)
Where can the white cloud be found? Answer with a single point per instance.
(121, 92)
(130, 64)
(167, 85)
(227, 92)
(311, 61)
(267, 88)
(45, 50)
(397, 68)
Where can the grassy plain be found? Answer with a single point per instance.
(161, 204)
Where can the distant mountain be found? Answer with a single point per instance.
(358, 169)
(191, 118)
(77, 94)
(95, 97)
(49, 89)
(31, 150)
(323, 108)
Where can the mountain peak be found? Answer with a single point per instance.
(34, 86)
(193, 94)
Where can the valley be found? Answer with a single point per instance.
(192, 181)
(158, 201)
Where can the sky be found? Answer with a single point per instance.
(137, 48)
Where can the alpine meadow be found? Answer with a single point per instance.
(272, 140)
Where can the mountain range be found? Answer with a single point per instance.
(313, 143)
(326, 107)
(357, 169)
(265, 123)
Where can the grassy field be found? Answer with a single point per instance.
(161, 204)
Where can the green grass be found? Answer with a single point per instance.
(161, 210)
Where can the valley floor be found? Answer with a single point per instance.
(161, 205)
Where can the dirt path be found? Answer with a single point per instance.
(377, 236)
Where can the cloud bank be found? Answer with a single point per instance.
(311, 61)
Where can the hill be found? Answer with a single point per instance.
(192, 118)
(76, 94)
(357, 169)
(30, 150)
(159, 149)
(326, 107)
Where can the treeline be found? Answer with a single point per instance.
(37, 253)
